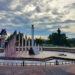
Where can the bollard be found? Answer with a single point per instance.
(40, 64)
(50, 63)
(23, 63)
(62, 62)
(16, 64)
(45, 64)
(56, 63)
(12, 64)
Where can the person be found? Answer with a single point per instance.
(57, 63)
(23, 63)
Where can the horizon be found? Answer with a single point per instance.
(46, 15)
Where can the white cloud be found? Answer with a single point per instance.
(43, 13)
(28, 8)
(71, 28)
(49, 26)
(14, 4)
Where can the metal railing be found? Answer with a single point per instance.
(35, 64)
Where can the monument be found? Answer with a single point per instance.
(33, 50)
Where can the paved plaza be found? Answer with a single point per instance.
(35, 70)
(44, 54)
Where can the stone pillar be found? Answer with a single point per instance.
(25, 43)
(29, 43)
(22, 43)
(38, 47)
(32, 35)
(35, 44)
(33, 50)
(19, 41)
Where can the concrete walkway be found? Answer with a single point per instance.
(30, 70)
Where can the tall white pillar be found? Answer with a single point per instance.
(29, 43)
(34, 49)
(22, 43)
(19, 41)
(32, 35)
(38, 47)
(41, 48)
(35, 44)
(25, 43)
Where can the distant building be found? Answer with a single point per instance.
(3, 35)
(3, 32)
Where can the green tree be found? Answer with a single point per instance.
(39, 41)
(58, 39)
(72, 42)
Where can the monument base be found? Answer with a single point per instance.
(33, 51)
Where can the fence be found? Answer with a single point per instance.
(36, 64)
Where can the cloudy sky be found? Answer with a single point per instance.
(46, 15)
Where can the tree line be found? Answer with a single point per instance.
(57, 39)
(54, 39)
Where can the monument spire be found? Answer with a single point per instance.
(32, 35)
(33, 50)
